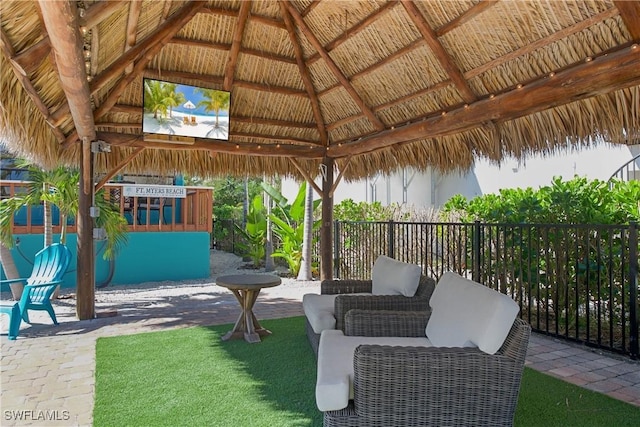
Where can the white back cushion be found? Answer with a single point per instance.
(392, 277)
(465, 313)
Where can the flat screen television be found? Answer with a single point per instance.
(179, 111)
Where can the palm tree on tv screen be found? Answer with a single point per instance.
(214, 101)
(171, 98)
(153, 98)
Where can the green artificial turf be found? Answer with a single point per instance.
(189, 377)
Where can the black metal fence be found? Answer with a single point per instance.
(577, 282)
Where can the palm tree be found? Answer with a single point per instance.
(154, 98)
(216, 101)
(60, 188)
(305, 271)
(171, 97)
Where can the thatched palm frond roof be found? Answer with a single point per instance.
(375, 85)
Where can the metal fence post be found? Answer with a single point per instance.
(391, 247)
(633, 290)
(475, 256)
(336, 251)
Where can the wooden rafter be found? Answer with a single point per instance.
(132, 26)
(243, 16)
(66, 41)
(309, 8)
(354, 30)
(159, 39)
(31, 58)
(630, 14)
(233, 13)
(27, 85)
(268, 150)
(227, 47)
(99, 11)
(614, 71)
(207, 81)
(473, 11)
(441, 54)
(538, 44)
(566, 32)
(170, 27)
(307, 176)
(304, 74)
(119, 167)
(333, 67)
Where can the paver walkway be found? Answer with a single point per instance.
(48, 373)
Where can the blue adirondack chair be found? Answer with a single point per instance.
(49, 265)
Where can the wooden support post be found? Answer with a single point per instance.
(326, 229)
(85, 276)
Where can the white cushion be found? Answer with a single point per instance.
(465, 313)
(334, 383)
(319, 310)
(393, 277)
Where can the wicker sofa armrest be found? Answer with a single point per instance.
(348, 286)
(369, 323)
(438, 386)
(345, 303)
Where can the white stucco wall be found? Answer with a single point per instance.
(426, 189)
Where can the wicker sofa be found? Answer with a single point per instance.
(389, 368)
(356, 294)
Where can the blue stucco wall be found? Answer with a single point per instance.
(147, 257)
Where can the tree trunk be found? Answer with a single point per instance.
(11, 271)
(46, 217)
(269, 265)
(305, 264)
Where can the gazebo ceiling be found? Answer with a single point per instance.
(376, 85)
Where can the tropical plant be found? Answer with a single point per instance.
(557, 261)
(254, 231)
(288, 225)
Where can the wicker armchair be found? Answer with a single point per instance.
(413, 386)
(346, 301)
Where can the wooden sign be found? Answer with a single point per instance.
(166, 191)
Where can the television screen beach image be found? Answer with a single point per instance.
(182, 110)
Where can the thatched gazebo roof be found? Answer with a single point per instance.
(374, 85)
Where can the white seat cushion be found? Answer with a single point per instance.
(334, 383)
(465, 313)
(393, 277)
(319, 310)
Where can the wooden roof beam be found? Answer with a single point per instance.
(132, 27)
(372, 18)
(30, 58)
(474, 11)
(170, 27)
(234, 13)
(167, 30)
(614, 71)
(630, 14)
(99, 11)
(227, 47)
(27, 85)
(60, 19)
(243, 15)
(252, 149)
(333, 67)
(207, 81)
(441, 54)
(118, 167)
(304, 74)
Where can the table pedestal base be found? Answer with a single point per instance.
(247, 326)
